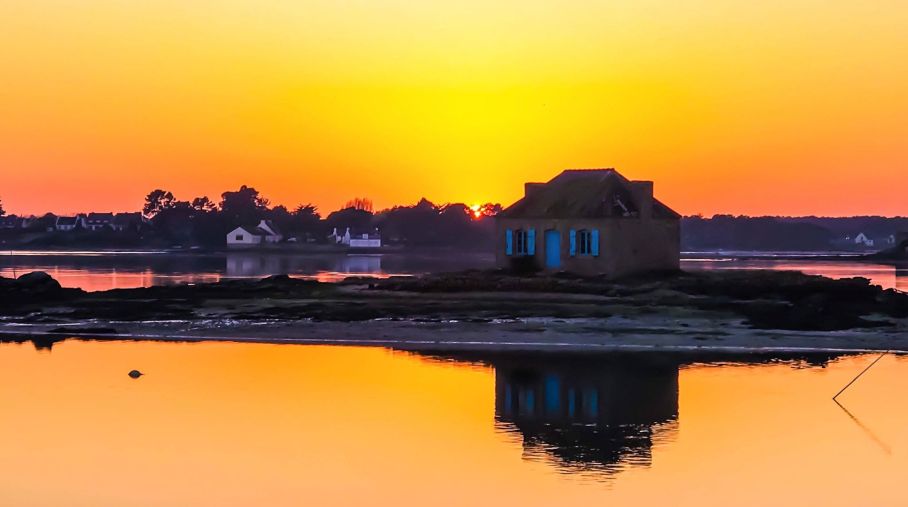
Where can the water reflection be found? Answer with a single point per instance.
(96, 271)
(215, 424)
(41, 343)
(888, 276)
(592, 415)
(100, 270)
(325, 268)
(599, 413)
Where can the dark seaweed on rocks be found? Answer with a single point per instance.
(33, 287)
(763, 299)
(767, 299)
(277, 286)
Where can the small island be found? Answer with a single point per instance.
(732, 311)
(588, 261)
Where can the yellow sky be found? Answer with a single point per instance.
(774, 107)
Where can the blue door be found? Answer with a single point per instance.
(552, 249)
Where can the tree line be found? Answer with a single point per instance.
(728, 232)
(203, 222)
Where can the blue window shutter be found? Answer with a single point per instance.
(573, 235)
(595, 245)
(531, 242)
(508, 242)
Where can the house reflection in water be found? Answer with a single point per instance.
(329, 267)
(601, 414)
(598, 413)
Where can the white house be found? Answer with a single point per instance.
(862, 240)
(363, 240)
(335, 237)
(264, 232)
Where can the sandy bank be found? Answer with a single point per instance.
(612, 334)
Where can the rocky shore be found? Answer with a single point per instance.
(723, 310)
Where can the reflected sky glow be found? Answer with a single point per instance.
(215, 424)
(98, 271)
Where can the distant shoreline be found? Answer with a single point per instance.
(706, 255)
(265, 250)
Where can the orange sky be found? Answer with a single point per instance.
(773, 107)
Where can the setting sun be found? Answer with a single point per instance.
(453, 252)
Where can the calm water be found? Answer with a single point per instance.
(888, 276)
(221, 424)
(95, 270)
(92, 270)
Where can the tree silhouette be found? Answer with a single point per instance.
(157, 201)
(244, 206)
(357, 220)
(306, 220)
(203, 205)
(360, 203)
(1, 209)
(43, 223)
(487, 210)
(307, 210)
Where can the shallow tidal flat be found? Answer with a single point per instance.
(482, 310)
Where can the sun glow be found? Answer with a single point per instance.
(317, 100)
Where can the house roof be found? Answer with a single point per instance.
(247, 230)
(67, 220)
(269, 224)
(127, 218)
(100, 218)
(252, 231)
(584, 193)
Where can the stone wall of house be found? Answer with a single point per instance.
(626, 245)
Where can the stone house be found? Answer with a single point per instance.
(590, 222)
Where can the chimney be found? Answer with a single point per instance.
(643, 197)
(531, 188)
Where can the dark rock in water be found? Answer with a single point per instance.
(135, 374)
(38, 280)
(32, 287)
